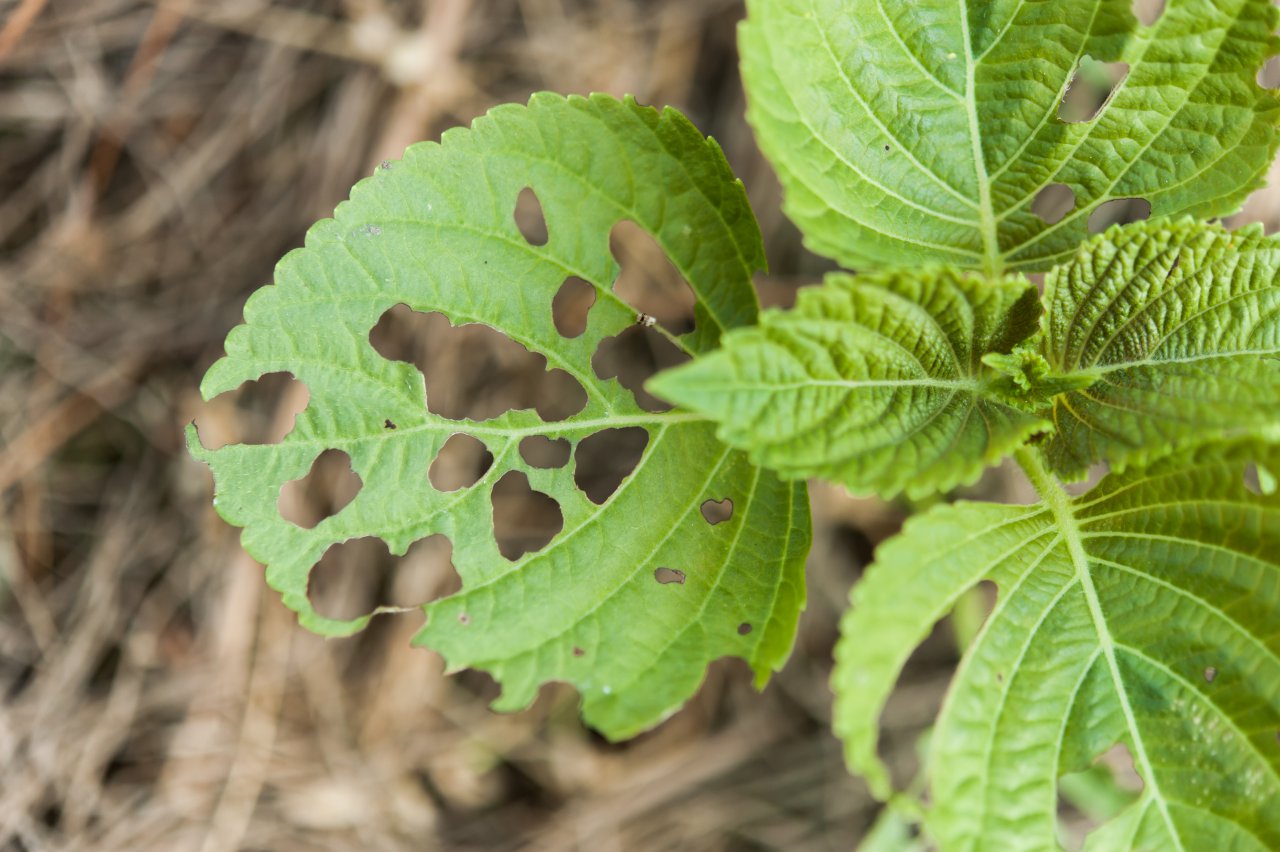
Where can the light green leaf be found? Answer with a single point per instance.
(435, 232)
(924, 131)
(1146, 612)
(1179, 325)
(875, 382)
(917, 578)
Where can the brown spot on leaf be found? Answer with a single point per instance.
(668, 575)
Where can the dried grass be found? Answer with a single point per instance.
(156, 158)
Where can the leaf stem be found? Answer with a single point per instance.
(1046, 484)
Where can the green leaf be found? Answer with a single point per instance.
(875, 382)
(917, 578)
(924, 131)
(1145, 613)
(435, 232)
(1179, 325)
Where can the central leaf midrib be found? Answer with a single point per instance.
(994, 261)
(859, 384)
(1059, 503)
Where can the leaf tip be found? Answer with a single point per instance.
(194, 445)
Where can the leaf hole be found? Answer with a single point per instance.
(603, 460)
(1092, 797)
(578, 652)
(649, 281)
(744, 628)
(572, 305)
(482, 687)
(1259, 480)
(1210, 674)
(529, 218)
(325, 491)
(561, 396)
(541, 451)
(1118, 211)
(1120, 761)
(341, 585)
(970, 614)
(461, 463)
(1148, 11)
(1268, 75)
(425, 573)
(355, 577)
(1054, 202)
(666, 576)
(472, 371)
(717, 511)
(524, 520)
(1092, 85)
(635, 355)
(916, 699)
(262, 411)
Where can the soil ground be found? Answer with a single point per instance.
(156, 158)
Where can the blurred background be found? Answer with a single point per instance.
(156, 158)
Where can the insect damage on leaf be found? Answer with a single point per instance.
(557, 576)
(1140, 613)
(619, 544)
(925, 131)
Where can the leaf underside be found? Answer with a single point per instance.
(435, 232)
(1146, 612)
(924, 131)
(1180, 325)
(875, 382)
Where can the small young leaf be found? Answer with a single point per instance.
(925, 131)
(1028, 382)
(1179, 325)
(875, 382)
(1112, 610)
(436, 232)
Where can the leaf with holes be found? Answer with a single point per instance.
(1144, 613)
(875, 382)
(925, 131)
(595, 606)
(1180, 327)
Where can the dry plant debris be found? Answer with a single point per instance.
(156, 156)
